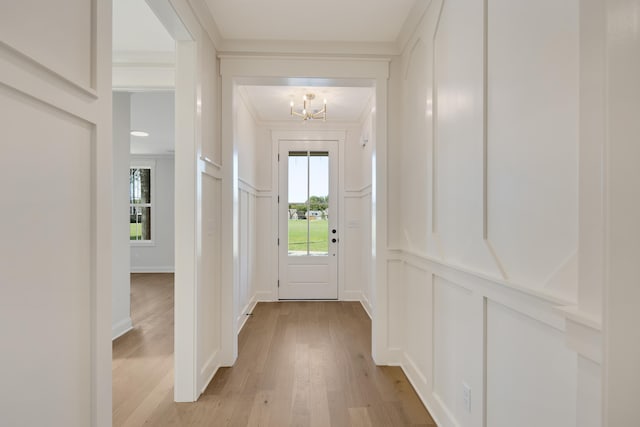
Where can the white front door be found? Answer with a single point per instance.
(308, 220)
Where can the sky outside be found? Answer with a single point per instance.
(318, 167)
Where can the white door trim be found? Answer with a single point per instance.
(311, 135)
(342, 71)
(331, 290)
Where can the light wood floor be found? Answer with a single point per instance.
(299, 364)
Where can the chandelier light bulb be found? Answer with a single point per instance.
(307, 112)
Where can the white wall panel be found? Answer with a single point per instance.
(459, 137)
(416, 171)
(209, 321)
(53, 34)
(531, 374)
(458, 325)
(418, 285)
(532, 145)
(351, 244)
(264, 242)
(396, 303)
(46, 267)
(210, 116)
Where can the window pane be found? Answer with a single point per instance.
(140, 223)
(140, 185)
(318, 215)
(297, 214)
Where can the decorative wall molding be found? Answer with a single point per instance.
(25, 62)
(153, 269)
(468, 275)
(253, 190)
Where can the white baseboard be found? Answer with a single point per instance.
(120, 328)
(244, 313)
(209, 370)
(433, 404)
(160, 269)
(366, 305)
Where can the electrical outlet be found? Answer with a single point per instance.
(466, 396)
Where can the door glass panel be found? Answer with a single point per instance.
(298, 194)
(308, 203)
(318, 216)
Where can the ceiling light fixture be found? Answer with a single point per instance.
(139, 133)
(306, 112)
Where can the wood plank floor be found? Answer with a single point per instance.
(299, 364)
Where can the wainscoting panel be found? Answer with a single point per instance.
(47, 268)
(419, 320)
(53, 36)
(531, 374)
(458, 351)
(209, 289)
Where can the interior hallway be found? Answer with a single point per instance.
(299, 363)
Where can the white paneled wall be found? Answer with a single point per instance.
(254, 225)
(531, 374)
(56, 183)
(532, 163)
(485, 249)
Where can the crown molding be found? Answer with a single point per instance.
(309, 48)
(411, 24)
(202, 12)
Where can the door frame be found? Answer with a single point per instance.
(342, 71)
(338, 200)
(307, 135)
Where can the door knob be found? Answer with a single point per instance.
(334, 240)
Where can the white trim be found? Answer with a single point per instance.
(334, 70)
(246, 312)
(120, 328)
(213, 364)
(153, 269)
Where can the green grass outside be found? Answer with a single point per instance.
(318, 235)
(135, 231)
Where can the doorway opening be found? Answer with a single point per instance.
(152, 52)
(305, 191)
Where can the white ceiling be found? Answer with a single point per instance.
(322, 20)
(137, 29)
(272, 103)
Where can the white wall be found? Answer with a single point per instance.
(254, 214)
(121, 290)
(484, 244)
(158, 256)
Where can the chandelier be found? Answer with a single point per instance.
(307, 113)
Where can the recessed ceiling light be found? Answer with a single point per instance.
(139, 133)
